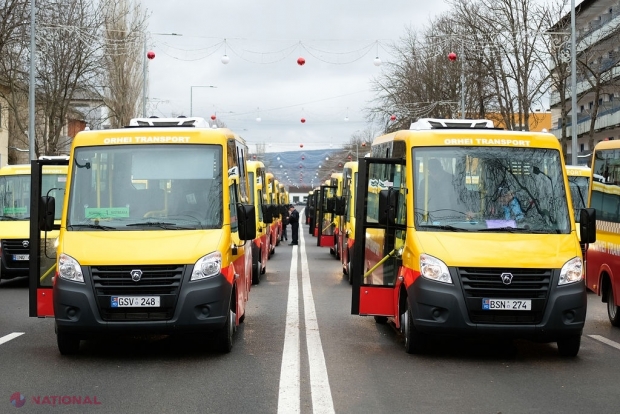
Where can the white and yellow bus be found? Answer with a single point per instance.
(464, 229)
(172, 254)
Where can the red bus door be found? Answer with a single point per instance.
(44, 208)
(380, 231)
(325, 216)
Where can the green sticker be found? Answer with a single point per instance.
(110, 212)
(15, 210)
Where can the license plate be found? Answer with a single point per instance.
(21, 257)
(507, 304)
(134, 301)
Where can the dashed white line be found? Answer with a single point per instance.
(605, 341)
(7, 338)
(322, 402)
(289, 394)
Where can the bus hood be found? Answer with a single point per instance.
(500, 250)
(15, 229)
(139, 247)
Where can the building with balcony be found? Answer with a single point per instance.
(598, 43)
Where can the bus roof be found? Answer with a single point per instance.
(471, 137)
(155, 135)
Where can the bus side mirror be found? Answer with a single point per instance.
(387, 207)
(587, 225)
(47, 209)
(330, 205)
(340, 206)
(246, 217)
(267, 217)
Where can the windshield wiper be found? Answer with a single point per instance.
(160, 224)
(442, 227)
(91, 226)
(508, 229)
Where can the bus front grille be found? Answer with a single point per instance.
(163, 281)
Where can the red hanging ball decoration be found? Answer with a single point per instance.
(452, 56)
(303, 158)
(303, 120)
(301, 61)
(150, 54)
(363, 144)
(254, 156)
(393, 118)
(301, 145)
(213, 117)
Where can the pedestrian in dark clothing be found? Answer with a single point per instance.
(285, 218)
(293, 219)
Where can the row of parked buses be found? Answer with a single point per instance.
(164, 227)
(454, 227)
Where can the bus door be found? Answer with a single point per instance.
(325, 217)
(380, 231)
(45, 211)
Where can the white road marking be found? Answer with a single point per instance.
(289, 394)
(7, 338)
(322, 401)
(605, 341)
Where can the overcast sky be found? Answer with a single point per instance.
(339, 40)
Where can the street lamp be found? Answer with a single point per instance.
(144, 69)
(191, 96)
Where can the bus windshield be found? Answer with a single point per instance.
(606, 190)
(15, 194)
(146, 187)
(490, 189)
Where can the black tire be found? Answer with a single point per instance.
(67, 344)
(256, 272)
(263, 269)
(381, 320)
(415, 342)
(225, 335)
(613, 311)
(569, 346)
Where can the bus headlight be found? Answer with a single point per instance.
(434, 269)
(69, 268)
(207, 266)
(571, 272)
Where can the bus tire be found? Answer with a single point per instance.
(256, 272)
(67, 344)
(569, 346)
(613, 311)
(415, 342)
(225, 335)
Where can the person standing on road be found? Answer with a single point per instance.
(293, 219)
(285, 223)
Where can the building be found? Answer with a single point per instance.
(598, 42)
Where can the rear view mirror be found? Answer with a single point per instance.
(587, 225)
(340, 206)
(267, 217)
(387, 207)
(47, 209)
(330, 205)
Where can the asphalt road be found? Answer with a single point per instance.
(355, 365)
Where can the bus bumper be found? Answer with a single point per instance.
(442, 309)
(199, 306)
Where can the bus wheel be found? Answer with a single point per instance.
(263, 269)
(569, 347)
(613, 311)
(256, 272)
(67, 344)
(381, 320)
(415, 342)
(225, 335)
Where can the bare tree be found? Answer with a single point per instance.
(125, 33)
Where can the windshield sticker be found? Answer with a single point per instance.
(111, 212)
(15, 210)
